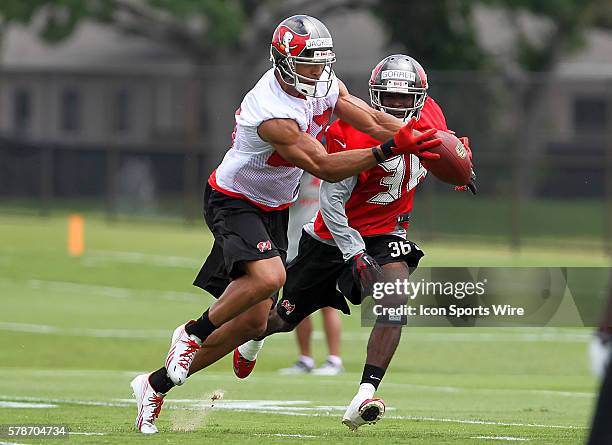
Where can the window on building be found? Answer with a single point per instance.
(121, 111)
(590, 114)
(22, 110)
(71, 111)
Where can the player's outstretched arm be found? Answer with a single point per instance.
(364, 118)
(306, 152)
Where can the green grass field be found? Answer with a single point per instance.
(73, 332)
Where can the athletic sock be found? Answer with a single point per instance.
(307, 360)
(160, 381)
(334, 360)
(250, 349)
(373, 375)
(366, 391)
(201, 328)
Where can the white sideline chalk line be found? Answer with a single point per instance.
(82, 332)
(224, 402)
(454, 389)
(12, 443)
(26, 405)
(431, 419)
(352, 336)
(299, 412)
(488, 422)
(520, 439)
(74, 372)
(253, 405)
(64, 401)
(77, 433)
(299, 436)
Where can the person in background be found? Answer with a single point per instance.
(299, 214)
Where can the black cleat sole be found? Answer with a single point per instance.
(371, 413)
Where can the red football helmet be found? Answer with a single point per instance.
(303, 39)
(402, 74)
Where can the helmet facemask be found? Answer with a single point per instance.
(287, 64)
(394, 86)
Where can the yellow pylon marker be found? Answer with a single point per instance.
(76, 235)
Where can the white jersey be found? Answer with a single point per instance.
(304, 210)
(251, 168)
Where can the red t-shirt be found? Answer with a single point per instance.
(383, 192)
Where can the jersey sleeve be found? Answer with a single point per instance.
(264, 102)
(332, 199)
(253, 112)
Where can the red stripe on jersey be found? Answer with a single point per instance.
(212, 180)
(276, 160)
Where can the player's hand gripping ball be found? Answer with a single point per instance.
(454, 165)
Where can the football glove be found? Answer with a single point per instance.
(471, 186)
(366, 272)
(406, 142)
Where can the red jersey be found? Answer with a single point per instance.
(383, 192)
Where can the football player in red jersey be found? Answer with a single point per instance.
(277, 136)
(359, 235)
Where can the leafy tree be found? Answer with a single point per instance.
(440, 34)
(202, 29)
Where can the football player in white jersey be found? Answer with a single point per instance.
(278, 130)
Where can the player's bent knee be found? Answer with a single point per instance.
(255, 325)
(271, 281)
(276, 281)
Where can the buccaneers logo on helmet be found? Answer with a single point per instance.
(289, 42)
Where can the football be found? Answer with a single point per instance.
(454, 166)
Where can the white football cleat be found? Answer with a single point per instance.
(363, 411)
(182, 351)
(148, 402)
(299, 367)
(329, 368)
